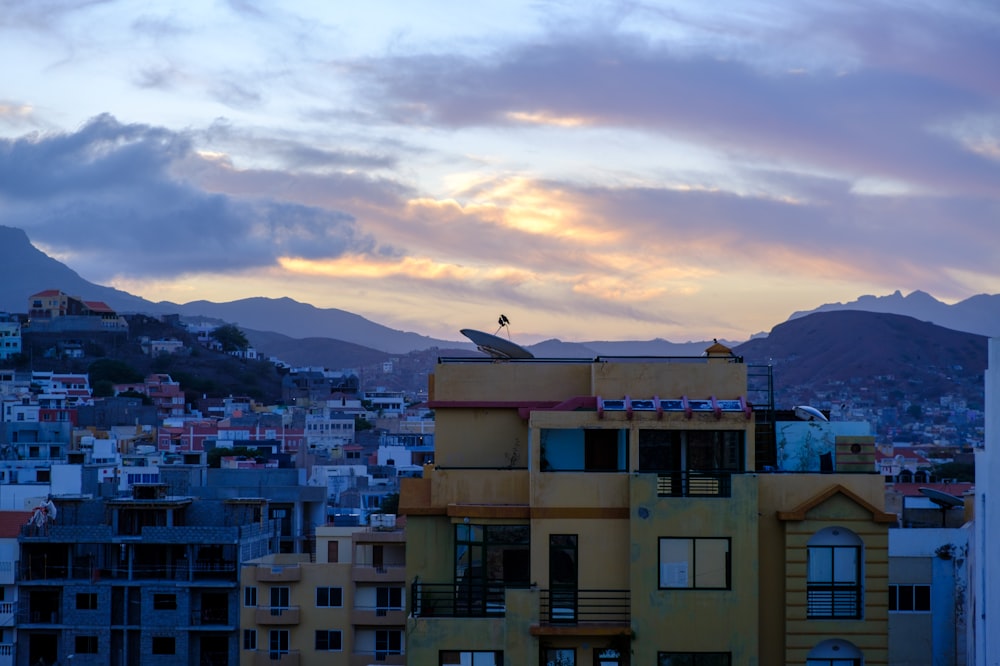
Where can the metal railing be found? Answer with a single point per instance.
(832, 601)
(692, 483)
(572, 606)
(457, 600)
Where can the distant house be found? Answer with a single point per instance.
(10, 339)
(53, 310)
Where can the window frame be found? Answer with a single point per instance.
(322, 591)
(278, 643)
(557, 660)
(250, 595)
(692, 573)
(472, 654)
(250, 639)
(326, 634)
(916, 594)
(164, 601)
(831, 592)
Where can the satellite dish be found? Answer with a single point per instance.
(942, 499)
(807, 413)
(496, 346)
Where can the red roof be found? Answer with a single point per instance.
(913, 489)
(11, 523)
(48, 292)
(98, 306)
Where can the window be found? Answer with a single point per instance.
(164, 602)
(329, 597)
(695, 563)
(470, 658)
(279, 597)
(692, 462)
(85, 645)
(86, 601)
(163, 645)
(388, 598)
(277, 643)
(694, 659)
(388, 641)
(910, 598)
(584, 450)
(332, 551)
(249, 639)
(493, 554)
(559, 657)
(328, 640)
(250, 597)
(833, 574)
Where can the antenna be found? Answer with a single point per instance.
(495, 346)
(503, 321)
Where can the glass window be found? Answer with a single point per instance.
(279, 597)
(584, 450)
(249, 639)
(695, 563)
(559, 657)
(328, 640)
(470, 658)
(250, 597)
(833, 574)
(910, 598)
(277, 643)
(329, 597)
(388, 641)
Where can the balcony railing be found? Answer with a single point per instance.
(457, 600)
(276, 658)
(830, 601)
(28, 616)
(691, 483)
(8, 609)
(277, 615)
(570, 606)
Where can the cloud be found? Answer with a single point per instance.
(107, 195)
(879, 118)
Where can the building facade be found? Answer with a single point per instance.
(610, 512)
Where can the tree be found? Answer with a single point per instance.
(114, 371)
(231, 338)
(390, 503)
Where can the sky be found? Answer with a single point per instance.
(594, 171)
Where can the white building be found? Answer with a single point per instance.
(985, 565)
(10, 339)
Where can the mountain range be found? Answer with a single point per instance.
(283, 326)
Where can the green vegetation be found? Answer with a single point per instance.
(231, 338)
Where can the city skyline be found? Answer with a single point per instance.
(644, 170)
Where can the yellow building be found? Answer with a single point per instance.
(345, 608)
(607, 512)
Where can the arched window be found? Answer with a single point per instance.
(834, 583)
(835, 652)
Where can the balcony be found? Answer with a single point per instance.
(389, 658)
(272, 615)
(8, 610)
(833, 601)
(383, 573)
(276, 658)
(379, 616)
(458, 600)
(692, 483)
(571, 607)
(28, 616)
(210, 617)
(278, 573)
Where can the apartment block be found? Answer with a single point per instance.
(344, 607)
(610, 511)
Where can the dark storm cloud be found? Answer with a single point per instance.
(108, 195)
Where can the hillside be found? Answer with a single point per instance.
(871, 349)
(201, 372)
